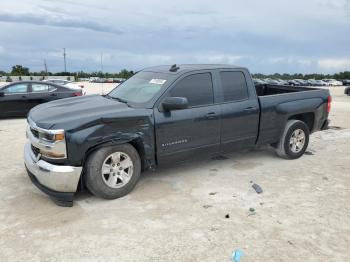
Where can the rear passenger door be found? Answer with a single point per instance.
(192, 132)
(239, 111)
(41, 93)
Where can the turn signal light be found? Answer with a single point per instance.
(59, 137)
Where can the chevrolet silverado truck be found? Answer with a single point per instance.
(160, 116)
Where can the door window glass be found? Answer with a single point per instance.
(197, 88)
(36, 88)
(14, 89)
(234, 86)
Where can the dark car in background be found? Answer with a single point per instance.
(346, 82)
(16, 99)
(347, 91)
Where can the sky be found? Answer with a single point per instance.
(270, 36)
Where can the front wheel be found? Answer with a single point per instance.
(294, 140)
(112, 172)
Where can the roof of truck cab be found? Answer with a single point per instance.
(183, 68)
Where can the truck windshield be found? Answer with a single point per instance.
(140, 88)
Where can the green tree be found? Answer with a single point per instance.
(126, 74)
(19, 70)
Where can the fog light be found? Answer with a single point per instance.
(51, 154)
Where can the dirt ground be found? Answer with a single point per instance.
(179, 213)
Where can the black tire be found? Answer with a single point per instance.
(283, 147)
(93, 172)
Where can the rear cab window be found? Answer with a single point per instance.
(234, 86)
(197, 88)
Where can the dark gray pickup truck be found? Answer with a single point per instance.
(164, 115)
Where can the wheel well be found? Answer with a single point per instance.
(307, 118)
(138, 145)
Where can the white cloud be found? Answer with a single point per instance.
(334, 64)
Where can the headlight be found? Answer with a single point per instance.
(52, 137)
(49, 143)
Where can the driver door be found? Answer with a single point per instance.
(14, 101)
(192, 132)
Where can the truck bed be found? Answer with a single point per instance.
(278, 102)
(266, 90)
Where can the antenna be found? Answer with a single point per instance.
(64, 60)
(174, 68)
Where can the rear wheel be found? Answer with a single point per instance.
(294, 140)
(112, 172)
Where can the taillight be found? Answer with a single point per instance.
(329, 104)
(77, 94)
(82, 86)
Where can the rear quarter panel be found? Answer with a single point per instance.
(277, 109)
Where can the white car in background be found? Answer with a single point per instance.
(333, 82)
(66, 83)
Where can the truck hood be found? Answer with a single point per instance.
(78, 112)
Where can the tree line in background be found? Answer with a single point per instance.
(19, 70)
(339, 76)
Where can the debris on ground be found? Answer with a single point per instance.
(214, 229)
(257, 188)
(221, 157)
(336, 127)
(325, 178)
(309, 153)
(290, 242)
(207, 206)
(251, 209)
(236, 255)
(227, 216)
(213, 193)
(261, 203)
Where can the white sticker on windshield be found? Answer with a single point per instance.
(157, 81)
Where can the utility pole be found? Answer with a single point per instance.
(64, 59)
(45, 66)
(102, 74)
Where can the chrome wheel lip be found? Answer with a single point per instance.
(297, 141)
(117, 170)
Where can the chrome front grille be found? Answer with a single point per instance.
(35, 150)
(34, 132)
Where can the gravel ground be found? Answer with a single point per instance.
(179, 213)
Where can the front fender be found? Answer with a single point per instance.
(82, 142)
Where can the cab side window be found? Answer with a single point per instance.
(234, 86)
(197, 88)
(15, 89)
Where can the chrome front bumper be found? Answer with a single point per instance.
(54, 177)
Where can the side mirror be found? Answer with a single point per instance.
(175, 103)
(2, 94)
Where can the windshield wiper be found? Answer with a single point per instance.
(119, 99)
